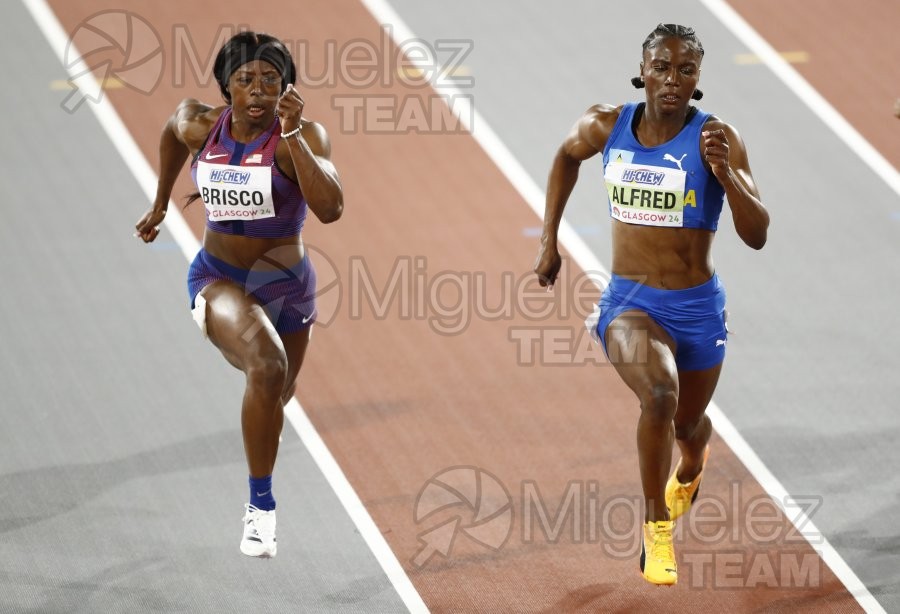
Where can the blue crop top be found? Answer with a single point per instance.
(667, 185)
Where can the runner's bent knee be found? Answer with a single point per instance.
(266, 364)
(659, 402)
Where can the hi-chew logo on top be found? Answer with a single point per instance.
(643, 175)
(229, 176)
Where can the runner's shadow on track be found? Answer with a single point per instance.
(586, 599)
(876, 548)
(789, 447)
(47, 492)
(829, 597)
(359, 591)
(358, 415)
(56, 594)
(863, 540)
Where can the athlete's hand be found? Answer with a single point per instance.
(715, 151)
(547, 266)
(289, 108)
(147, 227)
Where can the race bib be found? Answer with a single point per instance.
(235, 192)
(644, 194)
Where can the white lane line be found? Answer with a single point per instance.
(492, 145)
(147, 179)
(110, 121)
(585, 258)
(793, 509)
(354, 506)
(884, 169)
(805, 92)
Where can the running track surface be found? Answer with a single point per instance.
(398, 403)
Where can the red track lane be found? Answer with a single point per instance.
(860, 76)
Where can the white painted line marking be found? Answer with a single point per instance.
(493, 146)
(113, 126)
(354, 506)
(795, 514)
(581, 253)
(884, 169)
(147, 179)
(792, 57)
(805, 92)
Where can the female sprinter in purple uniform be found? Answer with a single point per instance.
(668, 166)
(257, 165)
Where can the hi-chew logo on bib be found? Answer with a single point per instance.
(645, 194)
(235, 192)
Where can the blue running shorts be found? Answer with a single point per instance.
(693, 317)
(287, 295)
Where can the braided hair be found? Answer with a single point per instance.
(671, 30)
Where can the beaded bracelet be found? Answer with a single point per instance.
(293, 132)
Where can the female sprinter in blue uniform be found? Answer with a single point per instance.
(257, 165)
(668, 166)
